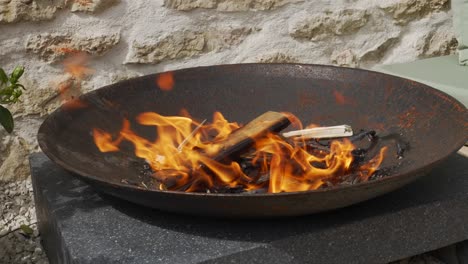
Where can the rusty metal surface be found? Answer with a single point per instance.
(435, 124)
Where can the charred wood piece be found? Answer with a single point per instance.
(243, 138)
(371, 135)
(401, 144)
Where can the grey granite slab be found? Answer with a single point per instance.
(79, 225)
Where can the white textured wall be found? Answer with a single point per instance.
(128, 38)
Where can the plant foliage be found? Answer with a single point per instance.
(10, 92)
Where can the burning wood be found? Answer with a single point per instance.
(244, 137)
(237, 142)
(225, 157)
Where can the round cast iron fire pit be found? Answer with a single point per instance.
(435, 125)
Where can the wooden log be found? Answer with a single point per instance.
(244, 137)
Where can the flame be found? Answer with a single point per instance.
(75, 66)
(66, 50)
(369, 168)
(292, 167)
(280, 165)
(74, 103)
(339, 97)
(104, 142)
(165, 81)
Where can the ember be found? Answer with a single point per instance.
(224, 157)
(165, 81)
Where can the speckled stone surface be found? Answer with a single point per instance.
(79, 225)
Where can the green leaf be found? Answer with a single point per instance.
(27, 230)
(20, 85)
(3, 76)
(6, 119)
(16, 74)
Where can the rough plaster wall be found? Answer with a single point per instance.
(128, 38)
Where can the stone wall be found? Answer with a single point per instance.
(128, 38)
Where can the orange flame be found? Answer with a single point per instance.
(292, 167)
(66, 50)
(75, 65)
(74, 103)
(104, 141)
(339, 97)
(188, 167)
(165, 81)
(368, 169)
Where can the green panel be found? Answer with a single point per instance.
(443, 73)
(460, 23)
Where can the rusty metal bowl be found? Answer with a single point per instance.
(435, 124)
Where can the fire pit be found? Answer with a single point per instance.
(399, 109)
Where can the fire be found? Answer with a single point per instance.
(293, 168)
(368, 169)
(75, 66)
(104, 141)
(165, 81)
(74, 103)
(181, 157)
(339, 97)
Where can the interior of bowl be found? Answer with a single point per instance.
(432, 122)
